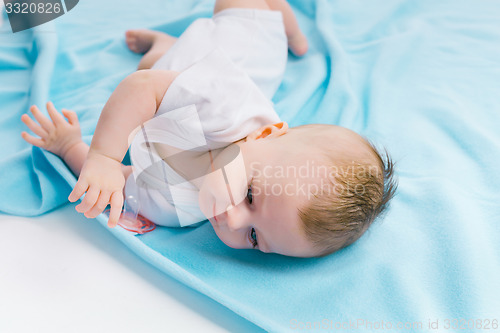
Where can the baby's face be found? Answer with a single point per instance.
(255, 203)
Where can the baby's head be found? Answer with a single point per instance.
(307, 191)
(359, 185)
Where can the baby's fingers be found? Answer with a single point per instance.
(71, 116)
(31, 139)
(56, 117)
(99, 206)
(42, 120)
(34, 127)
(89, 200)
(116, 209)
(79, 189)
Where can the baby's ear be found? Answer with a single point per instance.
(269, 131)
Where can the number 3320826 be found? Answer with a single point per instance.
(32, 8)
(472, 324)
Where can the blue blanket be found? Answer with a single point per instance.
(418, 77)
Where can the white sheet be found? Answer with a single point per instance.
(43, 287)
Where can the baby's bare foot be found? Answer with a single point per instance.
(298, 44)
(140, 41)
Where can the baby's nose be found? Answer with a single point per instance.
(234, 220)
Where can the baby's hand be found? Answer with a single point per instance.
(102, 182)
(56, 134)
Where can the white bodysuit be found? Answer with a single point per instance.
(230, 67)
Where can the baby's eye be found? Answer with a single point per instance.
(253, 238)
(249, 194)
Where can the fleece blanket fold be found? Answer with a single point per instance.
(420, 78)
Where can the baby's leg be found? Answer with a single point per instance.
(297, 42)
(225, 4)
(153, 44)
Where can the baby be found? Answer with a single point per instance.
(206, 143)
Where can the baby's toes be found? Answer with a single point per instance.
(298, 44)
(140, 40)
(131, 42)
(134, 41)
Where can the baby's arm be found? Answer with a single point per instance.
(135, 100)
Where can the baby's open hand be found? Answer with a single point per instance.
(102, 182)
(56, 134)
